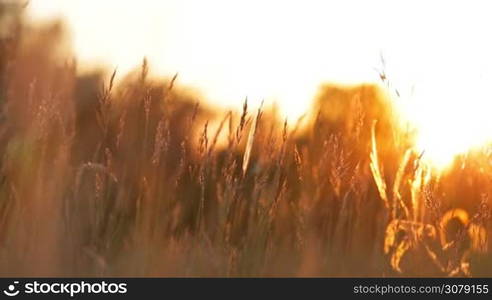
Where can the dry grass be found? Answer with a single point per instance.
(132, 180)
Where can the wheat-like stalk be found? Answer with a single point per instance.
(375, 168)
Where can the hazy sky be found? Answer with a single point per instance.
(283, 50)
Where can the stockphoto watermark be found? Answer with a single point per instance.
(68, 288)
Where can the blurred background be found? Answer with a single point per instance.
(281, 52)
(210, 138)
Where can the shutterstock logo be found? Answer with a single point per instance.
(68, 288)
(12, 290)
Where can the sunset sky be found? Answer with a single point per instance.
(437, 53)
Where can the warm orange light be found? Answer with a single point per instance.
(451, 118)
(282, 50)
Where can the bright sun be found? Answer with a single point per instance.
(451, 116)
(282, 50)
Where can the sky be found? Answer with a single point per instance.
(437, 53)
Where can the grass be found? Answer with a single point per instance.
(132, 179)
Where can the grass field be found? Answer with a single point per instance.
(143, 178)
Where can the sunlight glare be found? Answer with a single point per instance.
(438, 53)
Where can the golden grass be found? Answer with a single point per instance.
(131, 179)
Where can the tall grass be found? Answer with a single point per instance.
(132, 179)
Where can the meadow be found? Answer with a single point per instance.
(143, 178)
